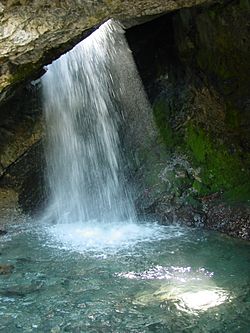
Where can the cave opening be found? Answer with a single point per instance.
(196, 167)
(184, 158)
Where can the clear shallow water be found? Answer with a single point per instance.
(135, 278)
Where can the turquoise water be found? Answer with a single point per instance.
(135, 278)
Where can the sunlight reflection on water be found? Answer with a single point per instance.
(189, 290)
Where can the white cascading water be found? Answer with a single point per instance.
(88, 94)
(83, 94)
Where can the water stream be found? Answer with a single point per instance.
(89, 265)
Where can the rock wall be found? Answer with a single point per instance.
(21, 150)
(21, 125)
(32, 33)
(194, 64)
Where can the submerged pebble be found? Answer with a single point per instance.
(6, 269)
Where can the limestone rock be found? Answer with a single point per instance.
(32, 33)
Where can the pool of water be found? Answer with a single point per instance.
(123, 278)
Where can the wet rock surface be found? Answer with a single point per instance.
(35, 32)
(21, 153)
(21, 125)
(9, 211)
(197, 172)
(26, 178)
(233, 220)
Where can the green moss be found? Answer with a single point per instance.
(232, 118)
(220, 170)
(240, 192)
(190, 200)
(198, 187)
(212, 42)
(160, 111)
(198, 143)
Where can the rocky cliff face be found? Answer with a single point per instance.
(21, 152)
(194, 64)
(32, 33)
(21, 125)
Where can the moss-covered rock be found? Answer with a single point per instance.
(199, 90)
(222, 170)
(161, 116)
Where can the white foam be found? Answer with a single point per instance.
(99, 237)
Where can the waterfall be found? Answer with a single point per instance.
(84, 100)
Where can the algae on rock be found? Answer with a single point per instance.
(198, 82)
